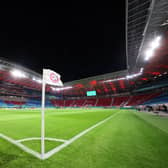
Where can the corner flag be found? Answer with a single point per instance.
(52, 78)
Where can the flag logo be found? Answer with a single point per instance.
(54, 78)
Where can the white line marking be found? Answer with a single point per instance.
(57, 149)
(55, 139)
(24, 148)
(39, 138)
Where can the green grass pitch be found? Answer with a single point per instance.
(128, 140)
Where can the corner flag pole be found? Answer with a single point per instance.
(43, 118)
(52, 78)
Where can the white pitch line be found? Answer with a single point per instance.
(57, 149)
(55, 139)
(39, 138)
(21, 146)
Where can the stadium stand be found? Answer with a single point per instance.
(104, 102)
(58, 103)
(120, 101)
(161, 99)
(79, 102)
(68, 103)
(140, 99)
(15, 102)
(90, 102)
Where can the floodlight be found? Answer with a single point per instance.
(141, 70)
(148, 54)
(126, 77)
(134, 75)
(63, 88)
(39, 80)
(155, 43)
(129, 76)
(158, 38)
(18, 73)
(54, 89)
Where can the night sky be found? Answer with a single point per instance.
(77, 41)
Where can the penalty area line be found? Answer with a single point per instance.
(59, 148)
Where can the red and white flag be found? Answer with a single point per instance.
(52, 78)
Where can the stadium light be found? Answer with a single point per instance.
(18, 73)
(63, 88)
(148, 54)
(155, 43)
(131, 76)
(152, 47)
(37, 80)
(141, 70)
(113, 80)
(127, 77)
(59, 89)
(136, 74)
(54, 89)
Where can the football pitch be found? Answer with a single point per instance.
(96, 138)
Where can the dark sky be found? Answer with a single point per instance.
(77, 41)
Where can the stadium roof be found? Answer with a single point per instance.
(8, 65)
(137, 13)
(156, 25)
(146, 19)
